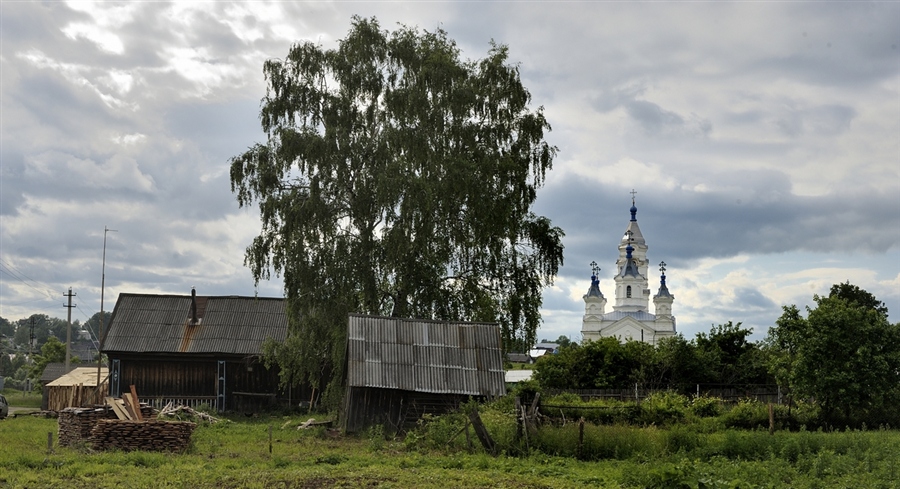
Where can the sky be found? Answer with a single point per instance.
(762, 140)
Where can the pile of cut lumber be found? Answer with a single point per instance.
(151, 435)
(127, 407)
(75, 424)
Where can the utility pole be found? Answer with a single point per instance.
(69, 328)
(31, 340)
(100, 332)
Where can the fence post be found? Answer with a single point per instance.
(579, 450)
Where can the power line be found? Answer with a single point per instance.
(17, 274)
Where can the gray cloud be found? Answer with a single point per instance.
(758, 130)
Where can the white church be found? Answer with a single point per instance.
(630, 318)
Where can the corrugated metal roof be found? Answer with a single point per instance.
(425, 356)
(147, 323)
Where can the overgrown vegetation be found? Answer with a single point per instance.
(674, 441)
(844, 358)
(724, 356)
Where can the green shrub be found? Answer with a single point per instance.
(436, 432)
(525, 390)
(706, 407)
(663, 408)
(747, 414)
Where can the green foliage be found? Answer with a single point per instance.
(724, 356)
(854, 295)
(747, 414)
(730, 357)
(604, 363)
(53, 351)
(663, 408)
(397, 179)
(6, 366)
(706, 407)
(525, 390)
(845, 355)
(438, 433)
(44, 327)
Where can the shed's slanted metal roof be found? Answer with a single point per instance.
(425, 356)
(147, 323)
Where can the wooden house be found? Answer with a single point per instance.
(195, 350)
(401, 369)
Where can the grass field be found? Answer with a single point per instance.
(17, 398)
(236, 454)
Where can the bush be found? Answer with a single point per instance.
(747, 414)
(663, 408)
(525, 390)
(706, 407)
(436, 432)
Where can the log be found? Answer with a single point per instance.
(483, 436)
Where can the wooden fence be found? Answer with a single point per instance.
(728, 393)
(77, 395)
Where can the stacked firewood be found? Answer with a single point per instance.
(151, 435)
(75, 424)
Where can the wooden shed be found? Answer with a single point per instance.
(54, 371)
(401, 369)
(78, 388)
(195, 350)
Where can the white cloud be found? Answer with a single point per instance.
(105, 40)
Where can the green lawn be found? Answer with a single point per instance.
(17, 398)
(236, 454)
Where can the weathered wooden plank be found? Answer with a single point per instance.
(136, 406)
(120, 413)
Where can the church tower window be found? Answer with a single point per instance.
(628, 292)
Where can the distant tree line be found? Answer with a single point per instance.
(48, 347)
(723, 356)
(844, 356)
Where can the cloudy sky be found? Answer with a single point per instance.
(762, 139)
